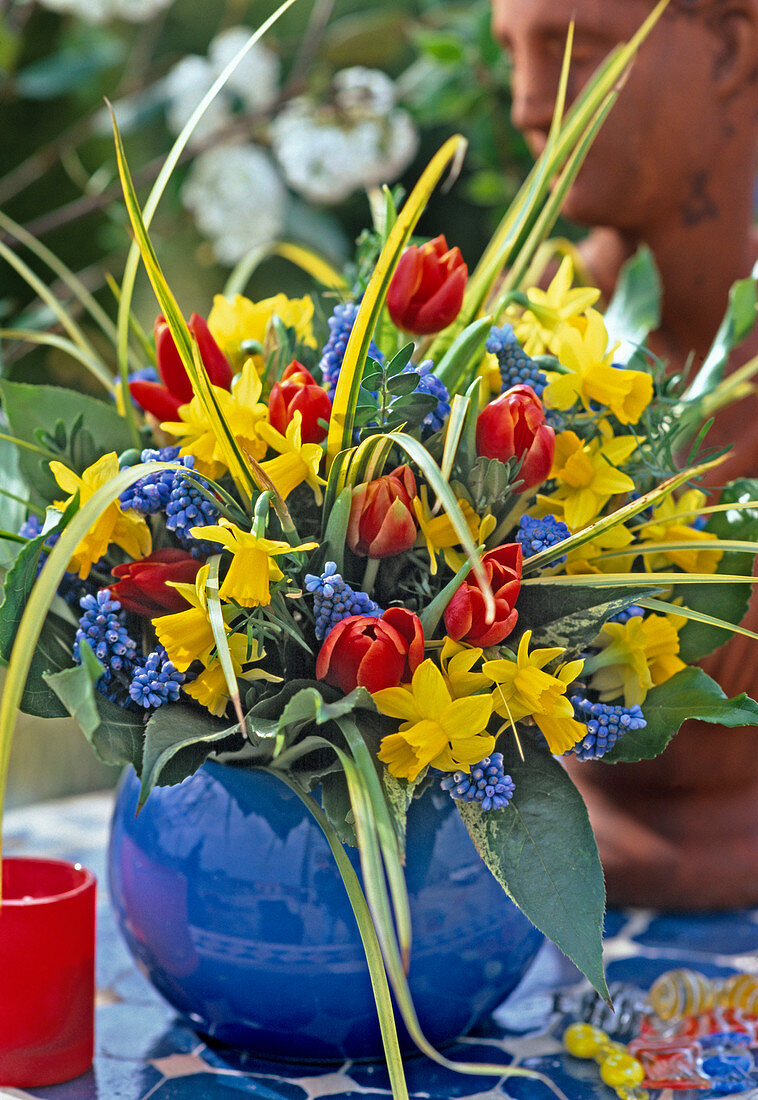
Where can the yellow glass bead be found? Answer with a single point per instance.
(584, 1040)
(681, 993)
(740, 991)
(608, 1047)
(636, 1093)
(621, 1068)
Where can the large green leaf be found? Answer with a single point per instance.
(567, 615)
(728, 601)
(13, 492)
(635, 309)
(17, 585)
(178, 739)
(542, 851)
(688, 694)
(31, 409)
(51, 654)
(115, 733)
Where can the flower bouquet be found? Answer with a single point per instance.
(424, 528)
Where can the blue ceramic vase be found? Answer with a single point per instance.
(227, 894)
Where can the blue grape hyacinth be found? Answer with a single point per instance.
(155, 681)
(605, 723)
(434, 421)
(516, 367)
(340, 326)
(486, 783)
(539, 534)
(334, 600)
(103, 626)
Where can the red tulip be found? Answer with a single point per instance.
(426, 291)
(299, 391)
(164, 399)
(361, 651)
(513, 426)
(465, 614)
(142, 586)
(382, 521)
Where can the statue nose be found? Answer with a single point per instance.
(532, 108)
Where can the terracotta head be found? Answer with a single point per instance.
(686, 118)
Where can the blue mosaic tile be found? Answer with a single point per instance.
(713, 933)
(201, 1086)
(641, 971)
(615, 920)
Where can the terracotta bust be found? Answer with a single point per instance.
(674, 167)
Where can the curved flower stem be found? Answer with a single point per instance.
(369, 940)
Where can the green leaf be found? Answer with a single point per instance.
(52, 653)
(114, 732)
(309, 707)
(178, 739)
(688, 694)
(69, 68)
(542, 851)
(75, 687)
(33, 408)
(17, 585)
(635, 309)
(696, 639)
(567, 615)
(12, 511)
(737, 323)
(335, 802)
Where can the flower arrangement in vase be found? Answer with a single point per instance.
(443, 538)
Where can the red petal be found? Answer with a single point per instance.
(156, 399)
(216, 364)
(381, 667)
(170, 366)
(403, 285)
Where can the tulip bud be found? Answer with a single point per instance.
(361, 651)
(298, 391)
(426, 291)
(513, 426)
(142, 587)
(465, 615)
(382, 522)
(164, 399)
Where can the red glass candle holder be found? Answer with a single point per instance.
(47, 971)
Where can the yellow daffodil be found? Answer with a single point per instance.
(591, 375)
(588, 558)
(296, 462)
(210, 688)
(551, 309)
(234, 321)
(253, 568)
(489, 371)
(457, 663)
(438, 532)
(587, 476)
(437, 730)
(126, 528)
(671, 522)
(187, 635)
(525, 690)
(243, 412)
(636, 655)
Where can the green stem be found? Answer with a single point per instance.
(377, 973)
(369, 577)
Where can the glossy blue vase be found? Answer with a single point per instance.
(229, 897)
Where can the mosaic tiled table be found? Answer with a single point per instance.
(144, 1051)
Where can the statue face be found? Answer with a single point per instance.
(654, 155)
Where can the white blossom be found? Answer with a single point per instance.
(101, 11)
(237, 199)
(254, 83)
(358, 141)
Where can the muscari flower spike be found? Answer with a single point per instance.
(606, 724)
(434, 421)
(152, 493)
(334, 600)
(103, 626)
(631, 612)
(516, 367)
(340, 326)
(540, 534)
(486, 783)
(155, 681)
